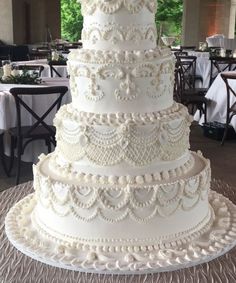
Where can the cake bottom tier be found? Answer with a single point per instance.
(128, 218)
(123, 230)
(217, 240)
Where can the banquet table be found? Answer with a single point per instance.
(8, 113)
(216, 110)
(60, 69)
(15, 267)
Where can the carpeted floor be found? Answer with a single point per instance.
(223, 160)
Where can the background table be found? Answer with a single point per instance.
(8, 112)
(18, 268)
(216, 110)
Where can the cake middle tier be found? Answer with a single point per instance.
(121, 81)
(122, 144)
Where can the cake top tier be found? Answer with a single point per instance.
(119, 24)
(112, 6)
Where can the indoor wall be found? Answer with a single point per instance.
(203, 18)
(29, 21)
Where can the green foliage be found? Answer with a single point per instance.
(170, 10)
(71, 20)
(169, 17)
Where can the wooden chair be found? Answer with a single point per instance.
(176, 49)
(180, 53)
(230, 107)
(221, 64)
(20, 53)
(21, 135)
(53, 70)
(5, 53)
(40, 53)
(188, 47)
(2, 154)
(36, 69)
(194, 97)
(188, 66)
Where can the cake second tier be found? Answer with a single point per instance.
(121, 81)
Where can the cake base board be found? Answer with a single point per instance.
(217, 241)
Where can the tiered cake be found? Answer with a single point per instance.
(122, 192)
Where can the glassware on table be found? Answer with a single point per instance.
(168, 40)
(15, 70)
(6, 66)
(202, 46)
(222, 52)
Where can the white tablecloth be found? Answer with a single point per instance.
(62, 70)
(203, 67)
(8, 112)
(216, 111)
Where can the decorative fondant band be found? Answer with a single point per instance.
(176, 111)
(117, 34)
(114, 204)
(67, 170)
(118, 57)
(110, 7)
(89, 82)
(125, 244)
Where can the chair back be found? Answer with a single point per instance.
(20, 53)
(57, 91)
(221, 64)
(36, 69)
(5, 53)
(53, 69)
(188, 47)
(231, 107)
(178, 84)
(40, 54)
(180, 53)
(188, 66)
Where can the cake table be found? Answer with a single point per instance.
(16, 267)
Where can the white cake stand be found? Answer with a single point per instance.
(214, 243)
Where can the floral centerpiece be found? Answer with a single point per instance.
(56, 58)
(14, 76)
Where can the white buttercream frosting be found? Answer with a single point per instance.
(121, 192)
(128, 26)
(121, 81)
(139, 211)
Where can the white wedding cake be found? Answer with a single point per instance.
(121, 192)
